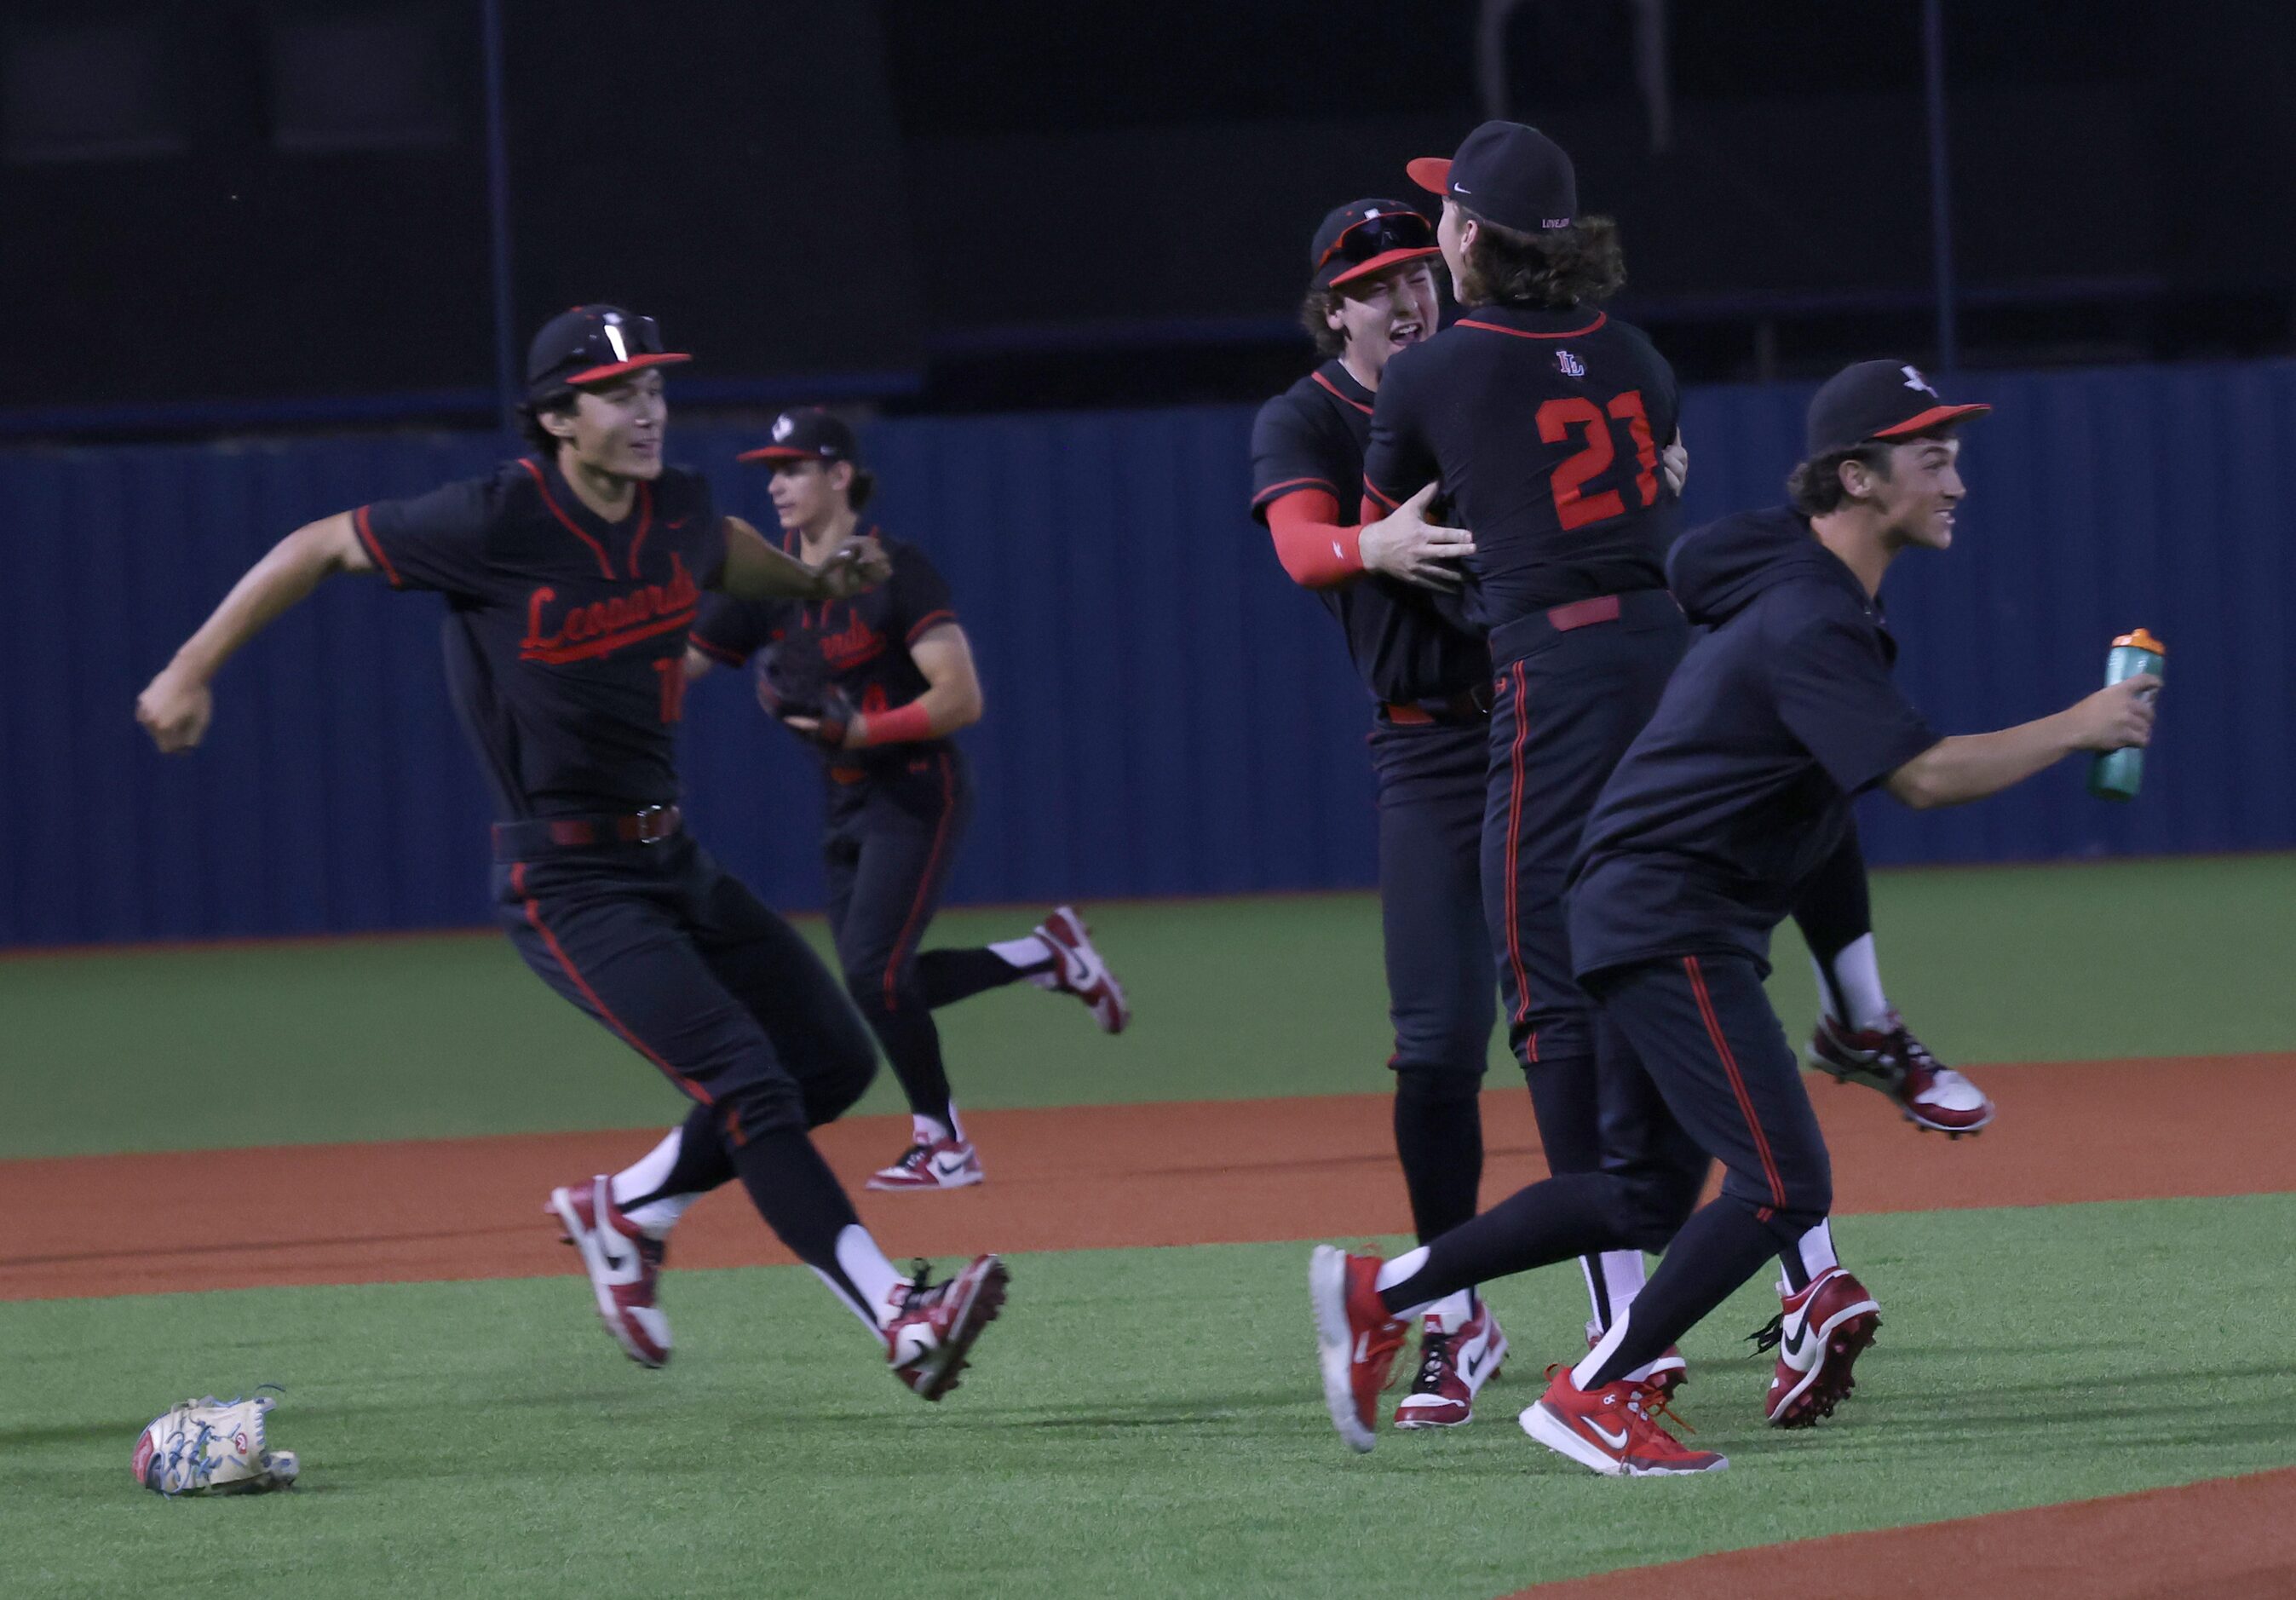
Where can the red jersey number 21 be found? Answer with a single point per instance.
(1573, 506)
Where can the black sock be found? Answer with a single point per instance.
(1833, 909)
(948, 976)
(1719, 1249)
(1439, 1137)
(1580, 1214)
(702, 1163)
(800, 1199)
(912, 1047)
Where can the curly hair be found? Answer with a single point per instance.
(1557, 268)
(1314, 316)
(1815, 486)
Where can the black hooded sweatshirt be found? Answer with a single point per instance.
(1741, 784)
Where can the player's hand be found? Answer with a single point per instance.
(855, 565)
(1404, 544)
(2117, 717)
(1674, 466)
(839, 726)
(175, 708)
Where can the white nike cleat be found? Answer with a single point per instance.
(932, 1164)
(1079, 969)
(1820, 1334)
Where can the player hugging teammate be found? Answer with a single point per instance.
(876, 682)
(1686, 810)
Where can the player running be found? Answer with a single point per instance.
(1741, 784)
(878, 681)
(572, 577)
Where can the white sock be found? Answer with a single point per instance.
(1404, 1266)
(1453, 1311)
(1582, 1376)
(932, 1130)
(656, 1217)
(1026, 952)
(1816, 1249)
(870, 1272)
(1857, 972)
(650, 1171)
(1623, 1275)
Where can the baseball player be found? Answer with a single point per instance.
(1543, 418)
(878, 681)
(1740, 786)
(1371, 293)
(572, 577)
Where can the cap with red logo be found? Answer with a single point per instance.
(1877, 399)
(1365, 236)
(1507, 172)
(809, 433)
(592, 344)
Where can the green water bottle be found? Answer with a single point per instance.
(2115, 774)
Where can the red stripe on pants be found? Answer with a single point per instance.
(558, 954)
(1737, 1082)
(914, 928)
(1513, 848)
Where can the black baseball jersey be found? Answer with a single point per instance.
(565, 634)
(1740, 786)
(1312, 437)
(860, 645)
(1545, 428)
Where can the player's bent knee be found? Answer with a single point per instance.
(1429, 1085)
(762, 1106)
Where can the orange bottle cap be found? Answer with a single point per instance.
(2142, 640)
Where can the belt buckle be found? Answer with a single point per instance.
(653, 824)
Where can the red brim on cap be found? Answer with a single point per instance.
(781, 453)
(1936, 416)
(600, 374)
(1431, 172)
(1381, 263)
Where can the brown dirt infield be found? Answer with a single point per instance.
(2228, 1538)
(1191, 1173)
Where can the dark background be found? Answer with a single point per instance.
(268, 212)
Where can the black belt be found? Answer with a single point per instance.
(1463, 709)
(1637, 608)
(516, 841)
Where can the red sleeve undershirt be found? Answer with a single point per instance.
(1315, 548)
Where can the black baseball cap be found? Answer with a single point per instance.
(1365, 236)
(1511, 173)
(591, 344)
(809, 433)
(1878, 400)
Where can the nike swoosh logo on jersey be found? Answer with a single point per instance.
(1617, 1441)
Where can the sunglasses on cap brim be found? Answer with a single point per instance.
(635, 343)
(1389, 234)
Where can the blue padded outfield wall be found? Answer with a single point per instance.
(1166, 714)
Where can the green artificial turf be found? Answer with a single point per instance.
(411, 1039)
(1140, 1423)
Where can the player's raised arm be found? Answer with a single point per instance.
(756, 570)
(1971, 767)
(175, 706)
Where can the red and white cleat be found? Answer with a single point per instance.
(1610, 1430)
(933, 1328)
(932, 1164)
(1890, 1059)
(1453, 1368)
(1356, 1339)
(624, 1263)
(1819, 1336)
(1080, 971)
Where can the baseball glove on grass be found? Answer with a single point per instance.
(211, 1447)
